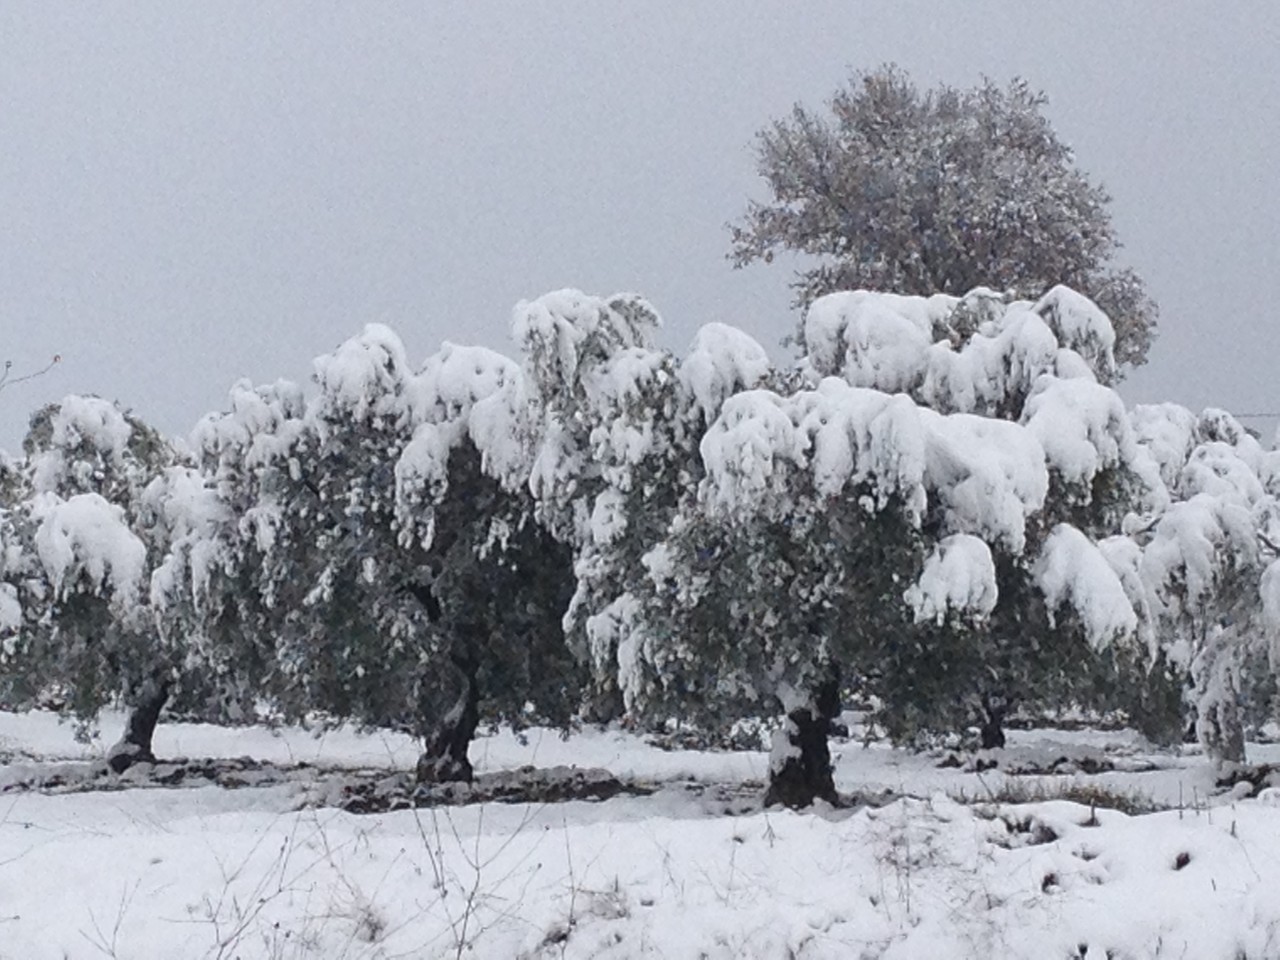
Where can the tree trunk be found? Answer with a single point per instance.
(603, 704)
(140, 727)
(994, 710)
(444, 758)
(800, 762)
(1218, 725)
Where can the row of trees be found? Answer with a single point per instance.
(943, 506)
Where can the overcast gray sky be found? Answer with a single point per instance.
(193, 193)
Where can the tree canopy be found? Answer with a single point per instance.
(941, 508)
(897, 189)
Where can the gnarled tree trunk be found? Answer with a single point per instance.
(991, 727)
(1219, 726)
(800, 762)
(135, 745)
(603, 704)
(444, 757)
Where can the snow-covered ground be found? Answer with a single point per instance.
(248, 873)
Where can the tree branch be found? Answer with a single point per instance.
(7, 381)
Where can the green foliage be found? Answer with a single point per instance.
(612, 529)
(392, 626)
(83, 636)
(750, 612)
(938, 191)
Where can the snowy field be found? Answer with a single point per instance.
(693, 870)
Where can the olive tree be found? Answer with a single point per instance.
(1208, 560)
(897, 189)
(922, 517)
(408, 586)
(82, 547)
(613, 424)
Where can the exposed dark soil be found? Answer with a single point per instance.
(526, 785)
(358, 791)
(1257, 776)
(371, 791)
(1062, 765)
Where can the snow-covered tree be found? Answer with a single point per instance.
(74, 571)
(213, 591)
(500, 585)
(936, 556)
(787, 569)
(81, 548)
(85, 444)
(938, 191)
(1024, 379)
(614, 426)
(13, 486)
(409, 587)
(1208, 562)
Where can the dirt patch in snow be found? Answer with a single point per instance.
(358, 791)
(526, 785)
